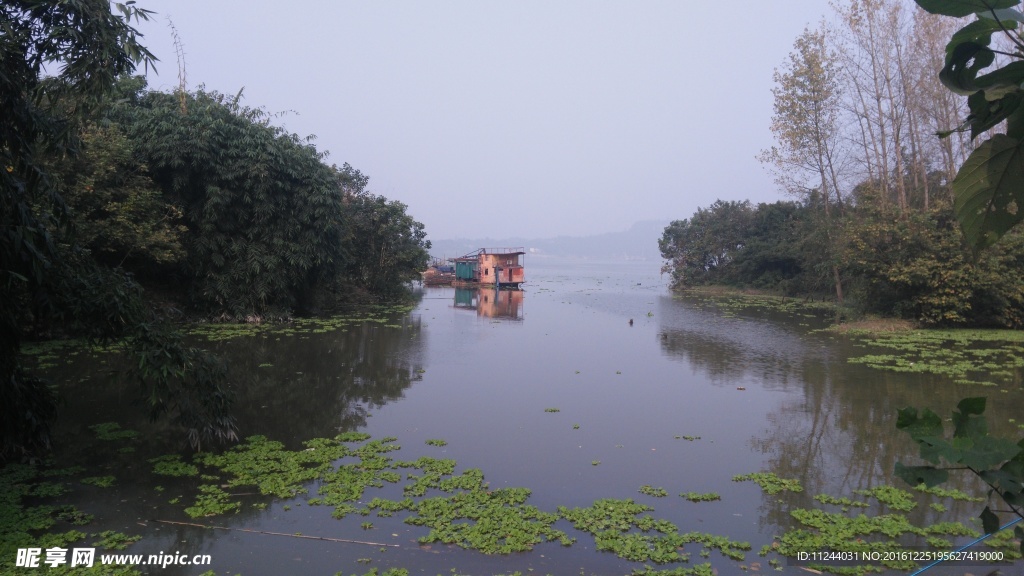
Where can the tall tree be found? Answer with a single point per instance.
(805, 124)
(58, 65)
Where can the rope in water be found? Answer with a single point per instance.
(966, 546)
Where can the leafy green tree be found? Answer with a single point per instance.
(698, 249)
(989, 187)
(85, 47)
(806, 129)
(771, 258)
(265, 215)
(387, 248)
(117, 210)
(913, 266)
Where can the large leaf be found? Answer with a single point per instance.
(962, 67)
(988, 452)
(1007, 16)
(934, 449)
(977, 32)
(1009, 76)
(961, 8)
(989, 191)
(968, 422)
(927, 475)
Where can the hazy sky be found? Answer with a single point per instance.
(496, 119)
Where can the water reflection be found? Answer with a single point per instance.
(732, 349)
(290, 383)
(317, 384)
(834, 426)
(491, 302)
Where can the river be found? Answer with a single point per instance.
(590, 383)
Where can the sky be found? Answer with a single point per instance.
(498, 119)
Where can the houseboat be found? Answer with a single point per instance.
(500, 267)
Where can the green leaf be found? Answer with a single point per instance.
(962, 67)
(989, 521)
(969, 426)
(1007, 16)
(966, 422)
(1010, 75)
(961, 8)
(977, 32)
(988, 190)
(988, 452)
(916, 475)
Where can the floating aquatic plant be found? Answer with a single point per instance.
(652, 491)
(112, 431)
(171, 465)
(113, 540)
(99, 481)
(701, 497)
(891, 496)
(212, 501)
(770, 482)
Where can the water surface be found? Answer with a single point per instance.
(762, 391)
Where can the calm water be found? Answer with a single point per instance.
(478, 369)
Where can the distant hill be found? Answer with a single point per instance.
(640, 242)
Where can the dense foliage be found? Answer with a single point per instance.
(917, 266)
(105, 184)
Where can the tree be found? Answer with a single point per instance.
(265, 214)
(84, 47)
(698, 249)
(386, 247)
(117, 209)
(805, 125)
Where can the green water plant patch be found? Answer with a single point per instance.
(171, 465)
(657, 492)
(622, 528)
(980, 357)
(212, 501)
(770, 482)
(99, 481)
(112, 431)
(701, 496)
(891, 497)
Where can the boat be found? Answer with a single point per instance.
(499, 267)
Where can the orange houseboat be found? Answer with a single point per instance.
(501, 267)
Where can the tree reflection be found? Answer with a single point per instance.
(309, 385)
(834, 429)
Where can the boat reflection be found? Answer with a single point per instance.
(491, 302)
